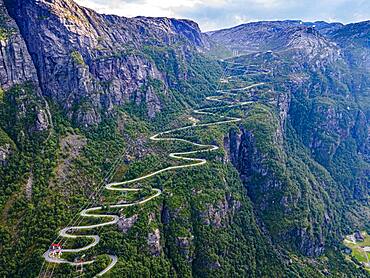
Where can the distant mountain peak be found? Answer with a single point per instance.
(276, 36)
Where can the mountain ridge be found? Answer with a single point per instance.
(283, 187)
(99, 41)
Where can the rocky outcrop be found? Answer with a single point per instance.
(125, 223)
(185, 246)
(89, 63)
(5, 152)
(154, 243)
(42, 121)
(29, 186)
(221, 214)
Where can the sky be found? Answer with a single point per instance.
(218, 14)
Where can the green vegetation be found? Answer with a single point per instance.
(5, 33)
(1, 94)
(259, 210)
(77, 58)
(358, 254)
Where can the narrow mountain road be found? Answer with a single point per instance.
(69, 232)
(114, 260)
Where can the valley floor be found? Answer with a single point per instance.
(359, 245)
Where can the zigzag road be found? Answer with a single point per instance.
(68, 232)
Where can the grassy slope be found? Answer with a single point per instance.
(358, 254)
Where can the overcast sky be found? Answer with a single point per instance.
(217, 14)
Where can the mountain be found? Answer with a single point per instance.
(354, 42)
(108, 58)
(274, 36)
(321, 92)
(262, 171)
(25, 111)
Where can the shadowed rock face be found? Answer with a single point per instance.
(16, 66)
(125, 223)
(154, 243)
(17, 71)
(89, 62)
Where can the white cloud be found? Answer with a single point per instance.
(216, 14)
(131, 8)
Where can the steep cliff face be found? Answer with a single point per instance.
(89, 63)
(354, 40)
(338, 122)
(24, 113)
(282, 187)
(16, 66)
(310, 160)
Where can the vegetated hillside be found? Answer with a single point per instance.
(312, 169)
(81, 90)
(81, 93)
